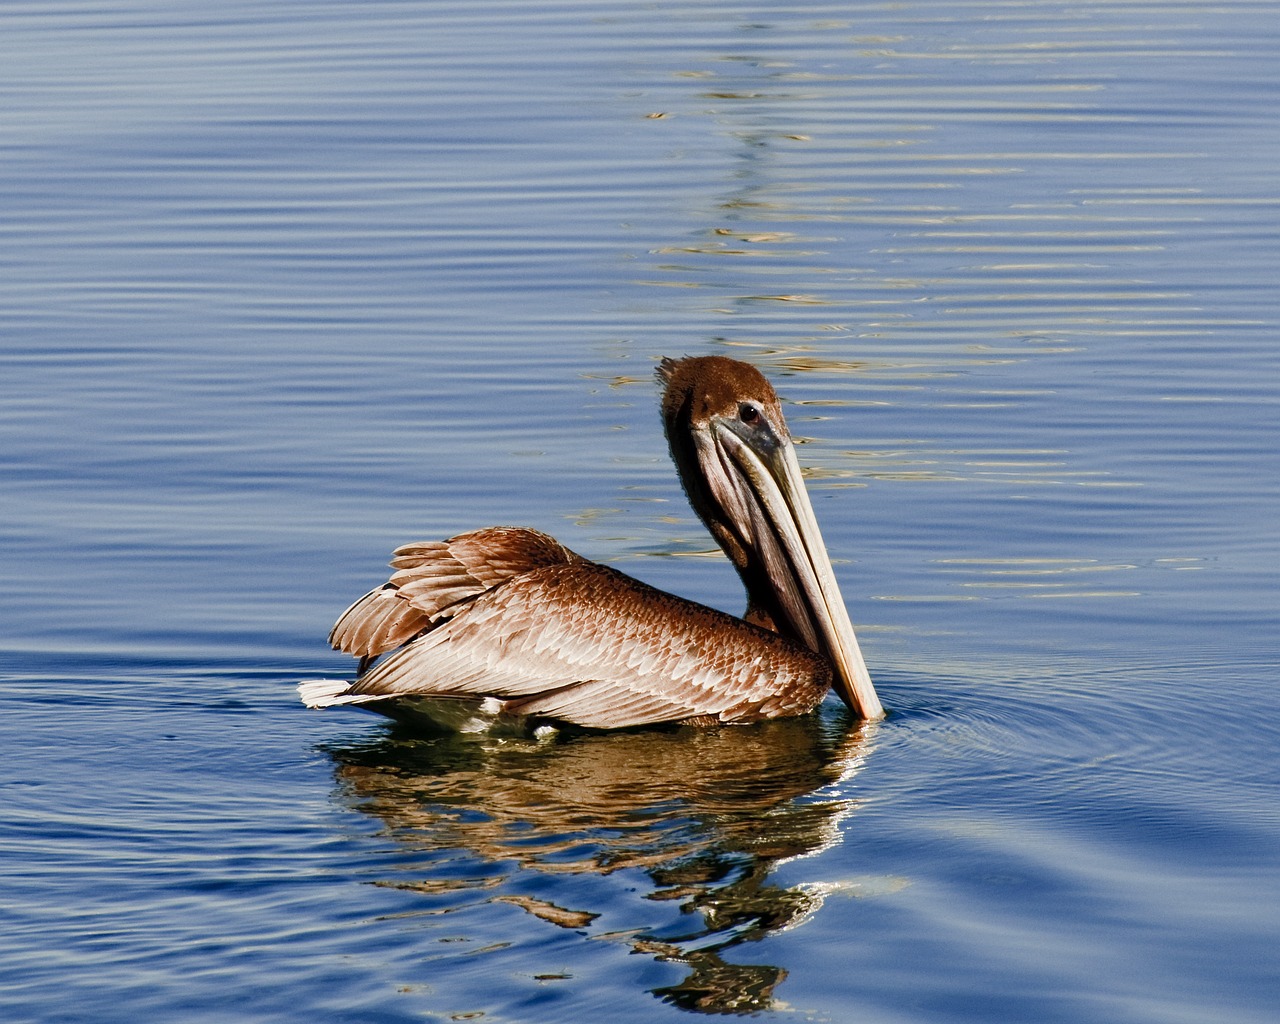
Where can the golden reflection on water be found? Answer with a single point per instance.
(706, 814)
(862, 199)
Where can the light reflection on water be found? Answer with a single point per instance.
(704, 814)
(286, 288)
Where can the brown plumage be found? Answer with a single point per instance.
(435, 575)
(509, 620)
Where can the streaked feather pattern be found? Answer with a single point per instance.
(536, 643)
(432, 577)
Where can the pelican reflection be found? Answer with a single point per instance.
(702, 815)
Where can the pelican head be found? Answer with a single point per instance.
(738, 466)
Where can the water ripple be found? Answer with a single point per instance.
(287, 285)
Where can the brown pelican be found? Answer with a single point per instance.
(508, 620)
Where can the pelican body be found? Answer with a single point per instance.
(509, 621)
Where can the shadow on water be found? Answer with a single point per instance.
(705, 814)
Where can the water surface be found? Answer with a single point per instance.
(285, 287)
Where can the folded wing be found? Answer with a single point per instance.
(583, 643)
(434, 578)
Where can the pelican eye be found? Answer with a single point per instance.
(749, 414)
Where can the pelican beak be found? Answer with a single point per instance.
(770, 500)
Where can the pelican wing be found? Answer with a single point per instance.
(583, 643)
(433, 578)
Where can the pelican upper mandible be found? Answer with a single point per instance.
(507, 619)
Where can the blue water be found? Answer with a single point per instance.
(285, 286)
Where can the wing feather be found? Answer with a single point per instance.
(433, 578)
(584, 643)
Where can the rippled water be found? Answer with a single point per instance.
(285, 286)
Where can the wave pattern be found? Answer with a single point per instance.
(285, 286)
